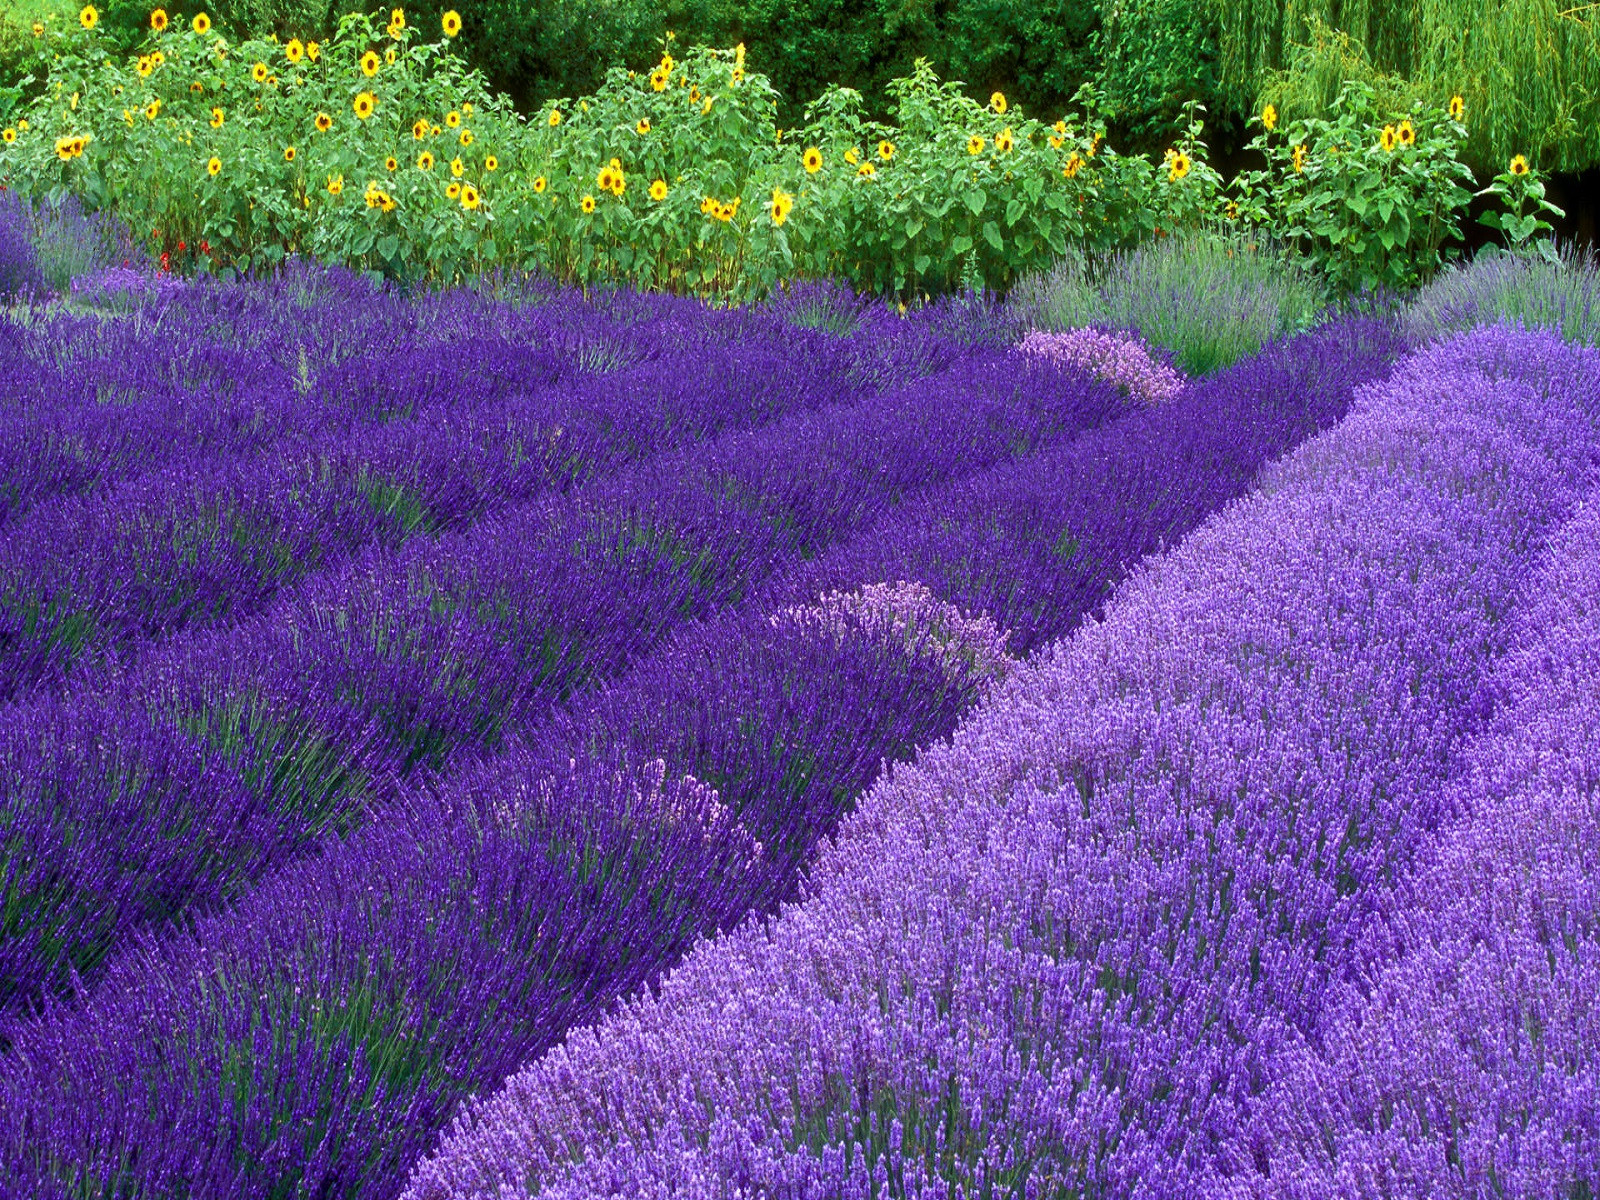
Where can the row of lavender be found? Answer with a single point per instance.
(193, 766)
(1278, 881)
(327, 1027)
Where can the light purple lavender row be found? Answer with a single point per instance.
(1462, 1055)
(1052, 957)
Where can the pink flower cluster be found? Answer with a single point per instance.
(1120, 359)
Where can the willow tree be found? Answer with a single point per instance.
(1528, 69)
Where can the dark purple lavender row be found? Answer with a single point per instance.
(1057, 956)
(543, 884)
(403, 661)
(1460, 1059)
(464, 428)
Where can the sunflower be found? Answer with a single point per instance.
(619, 184)
(288, 154)
(587, 204)
(220, 49)
(313, 50)
(152, 110)
(811, 160)
(425, 161)
(1269, 118)
(259, 72)
(491, 163)
(540, 183)
(391, 163)
(38, 29)
(705, 105)
(419, 129)
(370, 62)
(1177, 166)
(8, 136)
(388, 203)
(1406, 134)
(158, 20)
(294, 51)
(997, 101)
(1299, 158)
(1458, 108)
(658, 79)
(364, 104)
(605, 179)
(323, 122)
(89, 16)
(469, 198)
(214, 166)
(201, 24)
(457, 167)
(782, 204)
(196, 87)
(1519, 165)
(451, 22)
(658, 190)
(643, 127)
(1004, 142)
(1074, 165)
(694, 94)
(974, 145)
(397, 18)
(64, 149)
(1057, 141)
(144, 66)
(851, 156)
(466, 137)
(452, 119)
(735, 79)
(335, 185)
(554, 118)
(866, 170)
(886, 150)
(217, 118)
(452, 189)
(1387, 139)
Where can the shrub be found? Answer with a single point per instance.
(1208, 299)
(1536, 289)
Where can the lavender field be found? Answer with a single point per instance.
(500, 741)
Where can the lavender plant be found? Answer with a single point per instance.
(1525, 287)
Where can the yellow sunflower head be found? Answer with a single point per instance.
(8, 135)
(781, 206)
(89, 16)
(466, 137)
(997, 101)
(419, 129)
(1005, 141)
(323, 122)
(1458, 108)
(1177, 166)
(811, 160)
(587, 204)
(451, 23)
(866, 170)
(288, 154)
(158, 20)
(453, 189)
(555, 118)
(217, 118)
(540, 183)
(391, 163)
(335, 185)
(370, 62)
(259, 72)
(201, 24)
(491, 163)
(364, 104)
(886, 150)
(457, 167)
(313, 50)
(425, 161)
(1519, 165)
(658, 190)
(294, 51)
(1299, 158)
(974, 145)
(214, 166)
(469, 197)
(144, 66)
(1387, 139)
(152, 110)
(1269, 118)
(643, 127)
(452, 119)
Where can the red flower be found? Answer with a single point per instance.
(182, 246)
(166, 262)
(205, 247)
